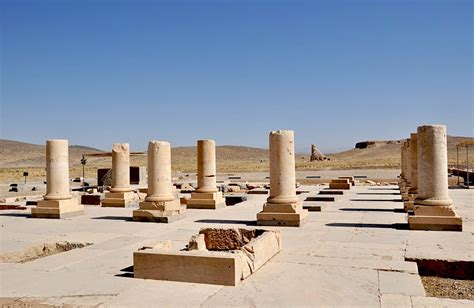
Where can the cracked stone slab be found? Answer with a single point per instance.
(400, 283)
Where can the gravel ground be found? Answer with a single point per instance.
(449, 288)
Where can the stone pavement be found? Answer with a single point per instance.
(352, 253)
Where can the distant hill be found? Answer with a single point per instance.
(389, 149)
(21, 154)
(368, 154)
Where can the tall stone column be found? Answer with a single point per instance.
(414, 164)
(58, 202)
(283, 208)
(120, 193)
(433, 207)
(206, 195)
(120, 168)
(407, 170)
(401, 182)
(413, 190)
(161, 203)
(206, 164)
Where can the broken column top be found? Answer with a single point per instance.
(160, 143)
(206, 140)
(282, 132)
(120, 147)
(57, 140)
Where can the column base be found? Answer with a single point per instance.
(434, 218)
(57, 209)
(118, 199)
(288, 215)
(211, 201)
(163, 212)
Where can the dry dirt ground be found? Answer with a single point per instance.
(449, 288)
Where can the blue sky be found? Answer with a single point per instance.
(337, 72)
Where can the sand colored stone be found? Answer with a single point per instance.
(206, 195)
(283, 208)
(350, 178)
(120, 194)
(409, 200)
(233, 261)
(340, 184)
(161, 203)
(58, 202)
(433, 206)
(403, 158)
(405, 194)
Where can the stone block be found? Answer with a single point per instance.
(211, 267)
(299, 192)
(291, 215)
(331, 192)
(57, 209)
(345, 186)
(235, 199)
(312, 207)
(321, 199)
(118, 199)
(206, 201)
(90, 199)
(435, 223)
(258, 192)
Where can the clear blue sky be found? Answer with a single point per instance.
(337, 72)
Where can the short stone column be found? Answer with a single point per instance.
(120, 193)
(161, 203)
(58, 202)
(283, 208)
(413, 190)
(206, 195)
(433, 207)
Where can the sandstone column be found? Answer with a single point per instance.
(58, 202)
(206, 164)
(161, 203)
(206, 195)
(401, 182)
(120, 193)
(407, 170)
(283, 208)
(433, 207)
(413, 190)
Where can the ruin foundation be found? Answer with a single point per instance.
(214, 256)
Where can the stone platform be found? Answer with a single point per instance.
(352, 253)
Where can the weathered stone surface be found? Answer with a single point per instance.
(226, 239)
